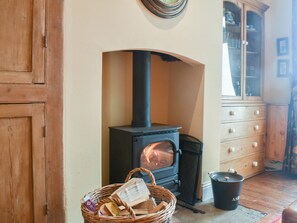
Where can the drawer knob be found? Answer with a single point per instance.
(232, 113)
(255, 145)
(256, 127)
(231, 130)
(231, 149)
(257, 112)
(255, 164)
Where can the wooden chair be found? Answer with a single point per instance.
(289, 214)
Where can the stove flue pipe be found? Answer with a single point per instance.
(141, 116)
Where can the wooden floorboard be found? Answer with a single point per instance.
(270, 193)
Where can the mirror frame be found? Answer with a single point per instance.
(165, 10)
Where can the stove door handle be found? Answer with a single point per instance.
(177, 182)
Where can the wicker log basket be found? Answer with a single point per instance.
(101, 196)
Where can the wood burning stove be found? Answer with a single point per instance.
(155, 147)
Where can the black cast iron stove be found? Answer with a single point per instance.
(142, 144)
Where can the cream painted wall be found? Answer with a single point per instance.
(277, 25)
(96, 26)
(116, 99)
(160, 77)
(186, 98)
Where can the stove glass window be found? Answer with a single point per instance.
(157, 155)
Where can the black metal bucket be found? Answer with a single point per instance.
(226, 187)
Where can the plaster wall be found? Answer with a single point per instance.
(278, 24)
(97, 26)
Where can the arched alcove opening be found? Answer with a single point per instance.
(177, 92)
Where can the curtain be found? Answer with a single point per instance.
(290, 162)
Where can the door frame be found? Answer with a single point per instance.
(54, 110)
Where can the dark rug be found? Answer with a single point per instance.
(241, 215)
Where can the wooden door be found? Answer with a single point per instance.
(22, 163)
(22, 36)
(277, 118)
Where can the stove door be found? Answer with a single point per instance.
(158, 153)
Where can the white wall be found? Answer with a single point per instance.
(96, 26)
(278, 24)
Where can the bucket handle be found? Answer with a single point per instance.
(210, 173)
(231, 170)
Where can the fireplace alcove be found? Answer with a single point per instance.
(176, 95)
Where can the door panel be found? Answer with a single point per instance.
(21, 38)
(22, 164)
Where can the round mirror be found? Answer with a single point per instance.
(165, 8)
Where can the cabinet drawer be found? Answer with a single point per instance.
(242, 147)
(246, 166)
(240, 113)
(242, 129)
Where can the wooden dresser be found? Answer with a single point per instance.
(243, 121)
(243, 132)
(277, 121)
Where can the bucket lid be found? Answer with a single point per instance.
(226, 177)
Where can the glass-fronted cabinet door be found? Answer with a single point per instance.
(254, 55)
(232, 66)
